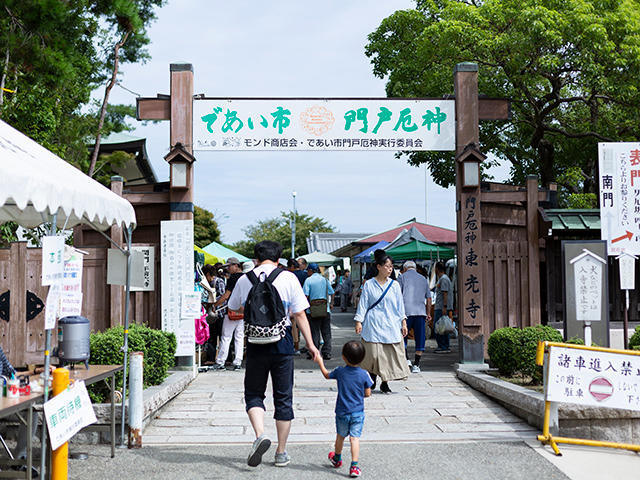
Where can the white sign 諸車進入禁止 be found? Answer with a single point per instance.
(177, 276)
(588, 273)
(52, 259)
(627, 264)
(290, 124)
(67, 413)
(148, 268)
(588, 377)
(620, 196)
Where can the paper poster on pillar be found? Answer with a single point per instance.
(176, 277)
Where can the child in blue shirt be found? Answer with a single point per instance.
(354, 384)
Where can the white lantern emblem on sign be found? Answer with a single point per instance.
(588, 270)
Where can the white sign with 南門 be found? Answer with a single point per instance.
(67, 413)
(599, 379)
(293, 124)
(177, 277)
(620, 196)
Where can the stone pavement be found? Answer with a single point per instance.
(429, 406)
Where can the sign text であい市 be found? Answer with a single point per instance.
(323, 124)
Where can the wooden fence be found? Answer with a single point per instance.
(22, 299)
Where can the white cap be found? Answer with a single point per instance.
(247, 266)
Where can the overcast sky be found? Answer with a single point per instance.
(283, 49)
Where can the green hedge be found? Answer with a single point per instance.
(158, 348)
(513, 350)
(634, 341)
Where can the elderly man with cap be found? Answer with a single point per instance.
(320, 294)
(232, 328)
(415, 293)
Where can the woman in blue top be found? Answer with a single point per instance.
(381, 320)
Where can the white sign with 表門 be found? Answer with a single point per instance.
(67, 413)
(177, 277)
(599, 379)
(293, 124)
(588, 272)
(148, 257)
(619, 177)
(52, 259)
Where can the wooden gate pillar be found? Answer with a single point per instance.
(468, 213)
(17, 344)
(533, 243)
(181, 134)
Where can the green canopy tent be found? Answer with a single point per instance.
(220, 251)
(416, 250)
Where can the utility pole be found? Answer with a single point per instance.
(293, 227)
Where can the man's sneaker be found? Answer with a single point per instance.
(282, 459)
(355, 471)
(237, 367)
(415, 369)
(259, 448)
(442, 350)
(408, 362)
(217, 366)
(334, 462)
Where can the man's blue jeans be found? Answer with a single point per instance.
(443, 340)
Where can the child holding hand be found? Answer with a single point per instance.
(354, 384)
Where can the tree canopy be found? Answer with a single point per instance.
(279, 230)
(53, 54)
(568, 66)
(205, 228)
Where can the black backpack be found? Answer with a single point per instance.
(264, 315)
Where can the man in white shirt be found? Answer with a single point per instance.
(275, 359)
(415, 292)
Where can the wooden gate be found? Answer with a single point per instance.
(22, 298)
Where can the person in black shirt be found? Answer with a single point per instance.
(232, 327)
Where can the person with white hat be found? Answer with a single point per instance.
(415, 294)
(232, 325)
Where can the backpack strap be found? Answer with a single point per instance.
(252, 277)
(273, 275)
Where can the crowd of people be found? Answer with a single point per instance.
(281, 303)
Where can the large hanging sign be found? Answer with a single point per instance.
(620, 197)
(323, 124)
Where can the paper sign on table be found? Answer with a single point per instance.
(67, 413)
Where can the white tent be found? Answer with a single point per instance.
(35, 184)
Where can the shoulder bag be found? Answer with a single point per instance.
(318, 307)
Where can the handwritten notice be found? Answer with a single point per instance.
(51, 307)
(67, 413)
(588, 285)
(599, 379)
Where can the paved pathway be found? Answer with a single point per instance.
(430, 406)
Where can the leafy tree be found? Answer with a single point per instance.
(279, 230)
(205, 228)
(569, 67)
(53, 55)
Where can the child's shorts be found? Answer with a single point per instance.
(350, 425)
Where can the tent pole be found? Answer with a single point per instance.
(127, 234)
(47, 363)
